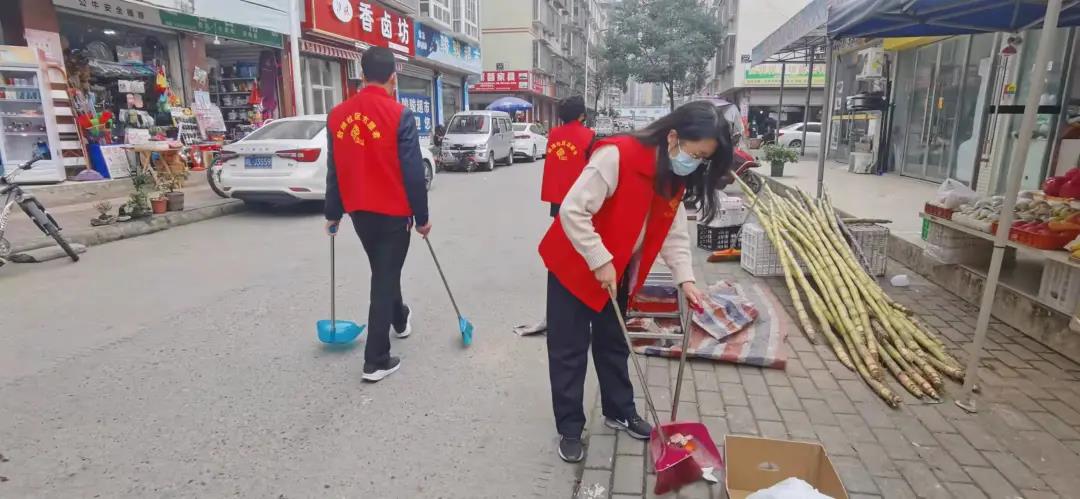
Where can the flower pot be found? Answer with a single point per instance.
(159, 205)
(175, 201)
(776, 169)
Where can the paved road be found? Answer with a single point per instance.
(185, 363)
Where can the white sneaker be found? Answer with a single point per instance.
(374, 374)
(404, 333)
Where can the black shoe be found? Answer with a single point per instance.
(373, 374)
(406, 330)
(635, 426)
(571, 450)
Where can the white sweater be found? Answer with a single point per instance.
(596, 184)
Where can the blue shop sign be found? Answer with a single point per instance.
(421, 107)
(440, 47)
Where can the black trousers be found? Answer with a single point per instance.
(555, 209)
(572, 327)
(386, 242)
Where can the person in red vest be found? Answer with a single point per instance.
(567, 152)
(376, 175)
(625, 209)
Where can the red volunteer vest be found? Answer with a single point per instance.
(566, 157)
(619, 224)
(366, 153)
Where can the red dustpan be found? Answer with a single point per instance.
(679, 449)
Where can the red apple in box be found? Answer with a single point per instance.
(1071, 189)
(1053, 185)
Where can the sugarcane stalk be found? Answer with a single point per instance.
(950, 371)
(878, 387)
(897, 355)
(778, 242)
(894, 368)
(819, 309)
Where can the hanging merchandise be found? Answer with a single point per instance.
(269, 72)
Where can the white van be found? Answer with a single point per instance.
(477, 139)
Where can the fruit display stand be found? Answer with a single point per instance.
(1047, 276)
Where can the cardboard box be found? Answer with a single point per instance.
(758, 463)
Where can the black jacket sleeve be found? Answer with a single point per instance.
(333, 207)
(412, 167)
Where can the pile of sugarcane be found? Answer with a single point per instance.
(862, 324)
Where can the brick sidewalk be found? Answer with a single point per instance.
(1024, 441)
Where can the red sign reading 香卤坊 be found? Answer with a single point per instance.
(361, 21)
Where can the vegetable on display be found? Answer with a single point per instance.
(870, 332)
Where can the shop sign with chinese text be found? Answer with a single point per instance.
(223, 29)
(116, 9)
(768, 75)
(420, 105)
(440, 47)
(361, 21)
(504, 81)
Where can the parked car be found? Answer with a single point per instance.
(284, 162)
(791, 135)
(477, 139)
(604, 126)
(530, 140)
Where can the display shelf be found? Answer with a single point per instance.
(238, 78)
(245, 106)
(1059, 256)
(238, 121)
(38, 101)
(231, 93)
(22, 117)
(25, 134)
(19, 87)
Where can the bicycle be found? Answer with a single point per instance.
(11, 194)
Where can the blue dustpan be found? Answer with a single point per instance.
(331, 331)
(334, 331)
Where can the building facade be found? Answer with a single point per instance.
(537, 50)
(756, 89)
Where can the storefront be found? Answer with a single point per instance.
(537, 89)
(942, 91)
(454, 61)
(335, 34)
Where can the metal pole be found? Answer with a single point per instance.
(587, 65)
(1016, 173)
(780, 102)
(294, 52)
(806, 109)
(826, 115)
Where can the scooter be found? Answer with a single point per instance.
(745, 173)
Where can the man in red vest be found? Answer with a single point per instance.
(567, 154)
(376, 175)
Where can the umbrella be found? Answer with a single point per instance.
(510, 105)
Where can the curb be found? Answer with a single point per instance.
(116, 232)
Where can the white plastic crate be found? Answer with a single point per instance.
(873, 239)
(1060, 287)
(944, 237)
(759, 256)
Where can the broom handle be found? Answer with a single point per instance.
(640, 373)
(333, 300)
(685, 325)
(443, 277)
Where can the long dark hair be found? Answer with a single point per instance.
(692, 121)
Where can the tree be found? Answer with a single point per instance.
(611, 71)
(669, 42)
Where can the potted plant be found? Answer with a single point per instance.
(160, 204)
(104, 218)
(138, 205)
(777, 156)
(171, 181)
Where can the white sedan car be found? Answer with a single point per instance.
(792, 135)
(530, 140)
(284, 162)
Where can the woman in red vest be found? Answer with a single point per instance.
(625, 209)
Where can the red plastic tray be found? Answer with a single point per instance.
(1054, 241)
(938, 211)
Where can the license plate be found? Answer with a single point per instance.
(258, 161)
